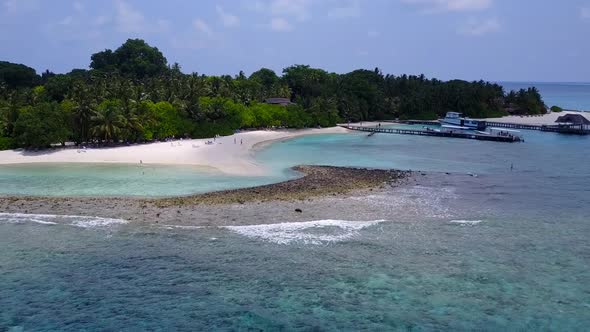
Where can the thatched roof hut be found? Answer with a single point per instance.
(573, 119)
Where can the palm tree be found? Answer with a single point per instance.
(134, 126)
(83, 111)
(108, 121)
(4, 120)
(9, 111)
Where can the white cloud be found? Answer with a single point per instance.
(128, 19)
(452, 5)
(297, 9)
(257, 6)
(585, 13)
(202, 27)
(17, 6)
(352, 9)
(227, 19)
(280, 24)
(476, 27)
(283, 12)
(201, 36)
(78, 6)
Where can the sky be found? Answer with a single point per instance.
(497, 40)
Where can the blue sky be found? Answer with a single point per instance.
(516, 40)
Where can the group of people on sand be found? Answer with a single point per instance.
(209, 142)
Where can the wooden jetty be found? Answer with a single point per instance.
(452, 134)
(562, 129)
(418, 122)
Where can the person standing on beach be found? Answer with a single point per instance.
(235, 141)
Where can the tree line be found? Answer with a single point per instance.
(132, 94)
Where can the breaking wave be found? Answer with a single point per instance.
(167, 226)
(466, 222)
(55, 219)
(310, 232)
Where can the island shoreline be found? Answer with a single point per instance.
(232, 155)
(317, 183)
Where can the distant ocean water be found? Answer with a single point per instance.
(500, 250)
(572, 96)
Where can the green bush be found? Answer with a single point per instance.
(7, 143)
(209, 130)
(556, 109)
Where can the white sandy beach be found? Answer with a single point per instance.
(545, 119)
(224, 155)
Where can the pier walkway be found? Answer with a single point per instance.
(562, 129)
(430, 132)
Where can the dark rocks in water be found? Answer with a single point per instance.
(317, 181)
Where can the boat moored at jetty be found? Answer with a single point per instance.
(456, 119)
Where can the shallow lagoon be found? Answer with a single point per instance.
(121, 180)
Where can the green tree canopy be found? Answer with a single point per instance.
(266, 77)
(17, 75)
(135, 58)
(108, 121)
(42, 125)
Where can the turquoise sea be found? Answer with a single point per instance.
(498, 250)
(121, 180)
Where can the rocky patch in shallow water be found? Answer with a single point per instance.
(317, 181)
(281, 201)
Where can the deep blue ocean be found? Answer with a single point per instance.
(571, 96)
(499, 249)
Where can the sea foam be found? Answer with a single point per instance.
(466, 222)
(419, 201)
(55, 219)
(310, 232)
(168, 226)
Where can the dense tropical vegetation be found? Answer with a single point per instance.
(133, 95)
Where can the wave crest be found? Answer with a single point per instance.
(466, 222)
(310, 232)
(56, 219)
